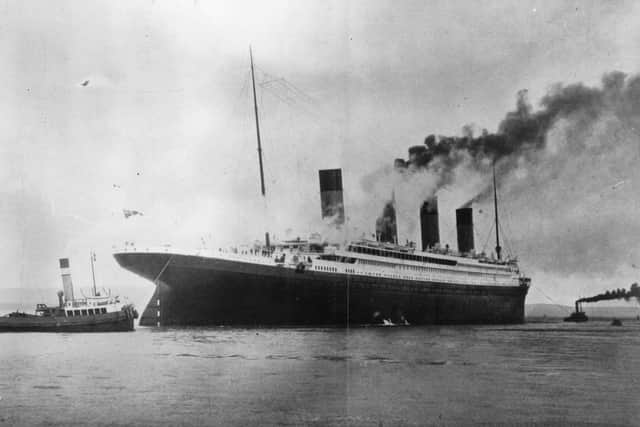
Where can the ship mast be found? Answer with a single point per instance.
(93, 274)
(495, 207)
(255, 109)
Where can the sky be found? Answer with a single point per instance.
(145, 105)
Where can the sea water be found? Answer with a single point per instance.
(532, 374)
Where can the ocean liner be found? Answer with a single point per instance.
(311, 282)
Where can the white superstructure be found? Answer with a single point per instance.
(376, 260)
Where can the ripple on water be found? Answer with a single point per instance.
(283, 357)
(332, 358)
(407, 376)
(432, 362)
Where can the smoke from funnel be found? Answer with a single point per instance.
(520, 133)
(633, 292)
(386, 227)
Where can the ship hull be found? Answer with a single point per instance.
(109, 322)
(193, 290)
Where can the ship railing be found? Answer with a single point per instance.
(167, 249)
(258, 257)
(159, 249)
(259, 254)
(372, 271)
(78, 303)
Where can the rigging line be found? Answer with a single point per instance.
(269, 76)
(486, 242)
(551, 299)
(281, 88)
(507, 242)
(513, 239)
(288, 85)
(511, 242)
(313, 111)
(268, 82)
(265, 131)
(241, 95)
(292, 98)
(509, 220)
(310, 113)
(507, 223)
(163, 269)
(265, 74)
(283, 97)
(298, 91)
(279, 93)
(268, 86)
(266, 78)
(506, 237)
(278, 85)
(273, 82)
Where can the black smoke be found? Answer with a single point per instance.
(615, 294)
(524, 131)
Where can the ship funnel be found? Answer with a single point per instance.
(331, 201)
(429, 223)
(386, 226)
(464, 226)
(67, 284)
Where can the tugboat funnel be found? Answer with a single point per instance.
(67, 284)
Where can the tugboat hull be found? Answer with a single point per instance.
(577, 317)
(110, 322)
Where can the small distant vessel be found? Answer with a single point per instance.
(616, 322)
(578, 315)
(95, 313)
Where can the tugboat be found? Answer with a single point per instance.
(578, 315)
(95, 313)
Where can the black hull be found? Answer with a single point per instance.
(109, 322)
(577, 317)
(196, 290)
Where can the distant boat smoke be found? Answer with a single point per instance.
(615, 294)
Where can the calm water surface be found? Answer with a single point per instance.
(544, 374)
